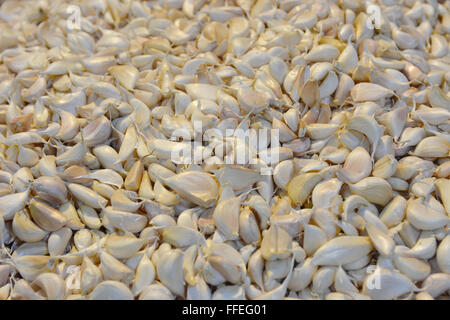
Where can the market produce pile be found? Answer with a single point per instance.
(127, 168)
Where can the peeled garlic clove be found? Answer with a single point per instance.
(365, 91)
(322, 53)
(342, 282)
(202, 91)
(438, 98)
(285, 134)
(277, 269)
(5, 291)
(30, 266)
(386, 284)
(436, 284)
(35, 248)
(12, 203)
(83, 239)
(229, 293)
(432, 147)
(395, 120)
(375, 190)
(342, 250)
(348, 59)
(69, 126)
(113, 269)
(302, 275)
(134, 176)
(128, 145)
(368, 126)
(255, 268)
(283, 173)
(226, 268)
(189, 265)
(425, 247)
(126, 75)
(199, 291)
(156, 292)
(164, 196)
(310, 93)
(211, 275)
(145, 275)
(275, 244)
(382, 241)
(24, 291)
(301, 186)
(415, 269)
(27, 157)
(98, 64)
(323, 279)
(170, 273)
(52, 285)
(181, 236)
(325, 192)
(91, 276)
(237, 176)
(45, 216)
(385, 167)
(97, 131)
(72, 155)
(51, 189)
(145, 189)
(328, 85)
(47, 166)
(443, 255)
(123, 247)
(22, 138)
(313, 238)
(280, 291)
(120, 201)
(337, 296)
(441, 186)
(251, 100)
(25, 229)
(87, 196)
(262, 209)
(318, 131)
(226, 217)
(58, 240)
(394, 212)
(123, 220)
(108, 158)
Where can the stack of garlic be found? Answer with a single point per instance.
(93, 205)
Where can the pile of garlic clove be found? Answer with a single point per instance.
(97, 96)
